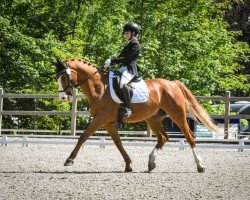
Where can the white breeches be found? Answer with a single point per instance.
(125, 77)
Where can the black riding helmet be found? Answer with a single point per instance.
(133, 27)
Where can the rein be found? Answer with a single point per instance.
(70, 83)
(82, 82)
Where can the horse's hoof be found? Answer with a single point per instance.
(201, 169)
(128, 169)
(68, 162)
(151, 166)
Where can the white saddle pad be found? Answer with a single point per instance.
(140, 92)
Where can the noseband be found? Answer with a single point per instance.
(70, 85)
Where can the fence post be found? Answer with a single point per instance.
(4, 140)
(227, 113)
(25, 141)
(102, 142)
(1, 109)
(73, 112)
(182, 144)
(149, 132)
(241, 145)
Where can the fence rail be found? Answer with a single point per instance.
(74, 113)
(32, 113)
(147, 142)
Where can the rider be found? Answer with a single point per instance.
(127, 60)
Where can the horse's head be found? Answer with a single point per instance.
(68, 76)
(65, 83)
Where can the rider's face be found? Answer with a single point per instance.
(128, 35)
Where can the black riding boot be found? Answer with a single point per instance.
(127, 101)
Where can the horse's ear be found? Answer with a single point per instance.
(54, 63)
(57, 63)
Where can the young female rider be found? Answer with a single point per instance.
(127, 60)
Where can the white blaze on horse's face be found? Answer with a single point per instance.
(62, 95)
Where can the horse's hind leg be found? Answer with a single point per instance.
(155, 125)
(190, 138)
(112, 130)
(181, 121)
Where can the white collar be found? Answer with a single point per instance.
(131, 39)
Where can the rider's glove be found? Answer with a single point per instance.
(107, 63)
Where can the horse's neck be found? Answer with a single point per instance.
(94, 88)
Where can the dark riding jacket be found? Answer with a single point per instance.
(128, 56)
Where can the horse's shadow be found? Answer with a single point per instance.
(86, 172)
(91, 172)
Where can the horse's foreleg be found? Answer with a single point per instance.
(112, 130)
(90, 130)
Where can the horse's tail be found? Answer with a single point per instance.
(196, 111)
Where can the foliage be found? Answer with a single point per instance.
(184, 40)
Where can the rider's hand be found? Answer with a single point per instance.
(107, 63)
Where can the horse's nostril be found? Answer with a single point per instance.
(63, 98)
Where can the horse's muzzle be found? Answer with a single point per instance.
(64, 97)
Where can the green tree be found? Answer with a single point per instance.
(184, 40)
(189, 41)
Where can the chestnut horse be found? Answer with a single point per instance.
(171, 98)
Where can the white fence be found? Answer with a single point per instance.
(74, 113)
(25, 141)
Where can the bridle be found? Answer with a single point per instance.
(70, 85)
